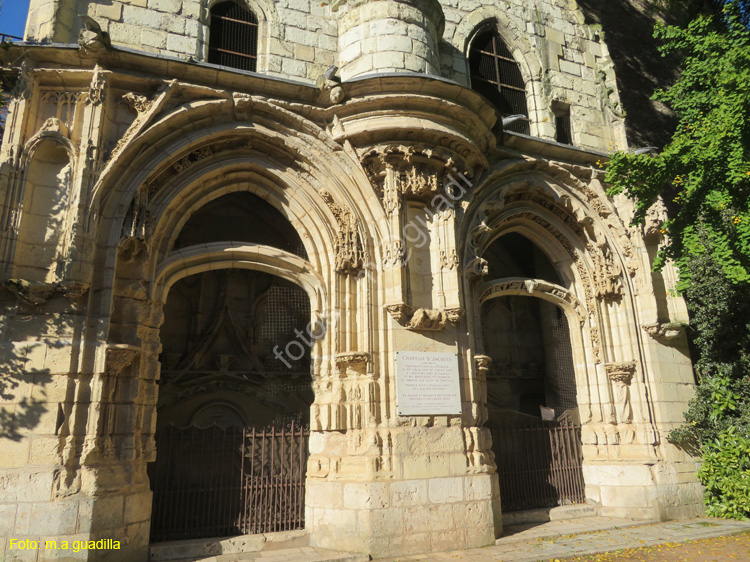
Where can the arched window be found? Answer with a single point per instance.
(495, 74)
(233, 39)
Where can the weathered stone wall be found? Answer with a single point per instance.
(397, 185)
(564, 62)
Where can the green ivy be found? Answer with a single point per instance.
(703, 176)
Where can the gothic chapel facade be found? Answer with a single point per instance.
(378, 228)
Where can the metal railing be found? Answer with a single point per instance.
(4, 37)
(222, 482)
(538, 463)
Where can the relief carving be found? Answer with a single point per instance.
(454, 315)
(400, 312)
(96, 89)
(196, 156)
(135, 101)
(448, 260)
(350, 256)
(354, 363)
(664, 332)
(428, 320)
(394, 254)
(36, 293)
(411, 171)
(621, 374)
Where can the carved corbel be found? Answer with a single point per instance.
(476, 269)
(424, 320)
(354, 362)
(454, 314)
(483, 363)
(400, 312)
(664, 333)
(119, 357)
(621, 375)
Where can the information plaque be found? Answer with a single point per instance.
(427, 384)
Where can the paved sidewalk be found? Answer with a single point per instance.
(594, 535)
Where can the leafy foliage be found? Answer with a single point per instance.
(703, 175)
(704, 172)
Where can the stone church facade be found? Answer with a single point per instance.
(203, 221)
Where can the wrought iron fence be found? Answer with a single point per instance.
(4, 37)
(538, 463)
(218, 482)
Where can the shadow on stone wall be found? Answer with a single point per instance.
(628, 27)
(22, 395)
(33, 346)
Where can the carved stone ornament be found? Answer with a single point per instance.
(353, 361)
(140, 103)
(92, 36)
(413, 172)
(425, 319)
(483, 363)
(196, 156)
(96, 88)
(36, 294)
(448, 259)
(520, 285)
(394, 254)
(454, 314)
(119, 357)
(22, 88)
(664, 332)
(621, 374)
(350, 257)
(476, 268)
(400, 312)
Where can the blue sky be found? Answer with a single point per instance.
(13, 16)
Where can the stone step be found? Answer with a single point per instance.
(563, 512)
(243, 544)
(301, 554)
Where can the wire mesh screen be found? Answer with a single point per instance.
(496, 75)
(287, 309)
(233, 39)
(563, 380)
(218, 482)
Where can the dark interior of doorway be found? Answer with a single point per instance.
(235, 387)
(532, 375)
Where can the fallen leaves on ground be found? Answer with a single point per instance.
(732, 548)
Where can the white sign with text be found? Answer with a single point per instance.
(427, 384)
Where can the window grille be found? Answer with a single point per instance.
(563, 132)
(496, 75)
(233, 39)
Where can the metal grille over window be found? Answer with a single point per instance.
(563, 132)
(233, 37)
(495, 74)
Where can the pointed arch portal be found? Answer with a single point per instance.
(235, 386)
(531, 381)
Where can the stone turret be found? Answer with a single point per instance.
(387, 36)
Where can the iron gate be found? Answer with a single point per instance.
(538, 463)
(218, 482)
